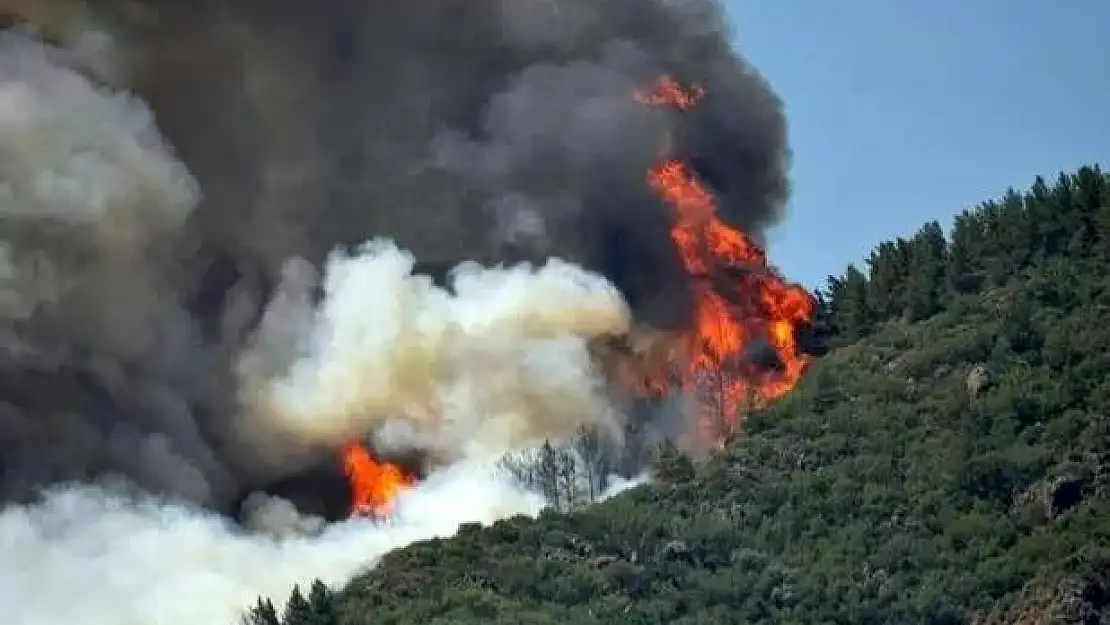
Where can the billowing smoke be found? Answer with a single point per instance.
(496, 364)
(100, 364)
(108, 557)
(234, 235)
(486, 131)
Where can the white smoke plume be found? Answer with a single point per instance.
(495, 363)
(98, 557)
(90, 197)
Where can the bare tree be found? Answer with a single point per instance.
(569, 474)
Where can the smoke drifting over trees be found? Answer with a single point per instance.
(136, 268)
(206, 214)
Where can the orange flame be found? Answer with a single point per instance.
(667, 92)
(738, 298)
(374, 485)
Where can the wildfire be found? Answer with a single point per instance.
(667, 92)
(740, 303)
(374, 484)
(739, 300)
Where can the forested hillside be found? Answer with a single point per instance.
(947, 461)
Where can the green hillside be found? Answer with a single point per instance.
(947, 461)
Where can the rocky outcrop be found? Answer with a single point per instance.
(1079, 600)
(979, 379)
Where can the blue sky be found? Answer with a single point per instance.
(902, 111)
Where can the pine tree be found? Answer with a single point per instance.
(1077, 229)
(548, 474)
(849, 301)
(1090, 187)
(965, 256)
(1101, 218)
(995, 249)
(1047, 227)
(889, 268)
(816, 337)
(598, 459)
(297, 610)
(321, 603)
(1014, 236)
(924, 287)
(262, 614)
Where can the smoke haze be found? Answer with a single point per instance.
(107, 557)
(236, 234)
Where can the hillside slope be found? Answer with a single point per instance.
(948, 461)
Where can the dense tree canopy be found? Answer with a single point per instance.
(946, 462)
(988, 247)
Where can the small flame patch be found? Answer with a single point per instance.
(374, 484)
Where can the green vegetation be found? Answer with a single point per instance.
(946, 462)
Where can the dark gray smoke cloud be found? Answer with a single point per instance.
(492, 130)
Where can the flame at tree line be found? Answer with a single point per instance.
(738, 301)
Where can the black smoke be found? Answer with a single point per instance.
(493, 130)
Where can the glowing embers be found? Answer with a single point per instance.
(666, 91)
